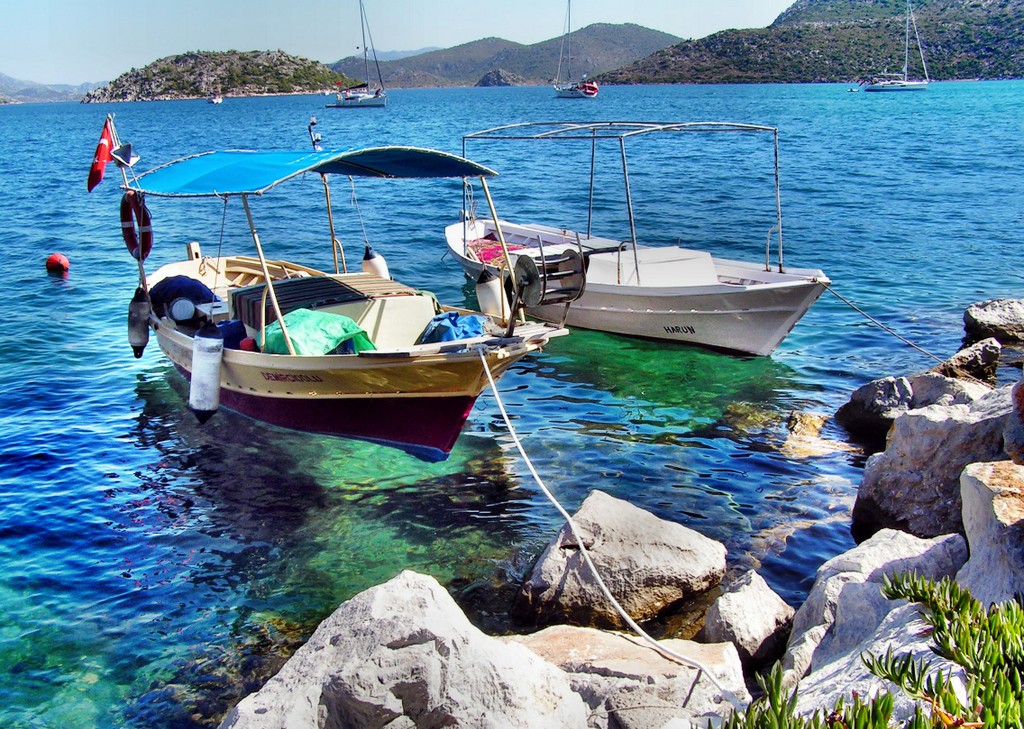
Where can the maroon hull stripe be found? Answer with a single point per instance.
(426, 427)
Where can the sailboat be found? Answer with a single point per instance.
(582, 89)
(902, 81)
(361, 96)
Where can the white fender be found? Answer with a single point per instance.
(491, 295)
(138, 322)
(204, 390)
(374, 262)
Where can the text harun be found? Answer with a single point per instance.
(680, 330)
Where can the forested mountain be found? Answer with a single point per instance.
(844, 40)
(596, 48)
(230, 73)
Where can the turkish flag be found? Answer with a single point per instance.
(99, 161)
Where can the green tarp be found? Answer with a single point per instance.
(317, 332)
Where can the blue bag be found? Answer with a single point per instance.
(451, 325)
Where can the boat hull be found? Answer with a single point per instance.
(897, 86)
(576, 91)
(416, 404)
(359, 101)
(739, 307)
(744, 320)
(415, 397)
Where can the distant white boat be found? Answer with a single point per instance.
(582, 89)
(216, 99)
(362, 96)
(670, 293)
(902, 81)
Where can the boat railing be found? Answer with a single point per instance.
(591, 132)
(768, 248)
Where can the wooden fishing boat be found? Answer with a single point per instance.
(352, 354)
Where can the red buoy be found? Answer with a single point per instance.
(57, 263)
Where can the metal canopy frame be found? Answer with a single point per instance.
(593, 131)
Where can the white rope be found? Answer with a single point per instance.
(359, 213)
(726, 693)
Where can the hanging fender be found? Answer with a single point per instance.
(136, 225)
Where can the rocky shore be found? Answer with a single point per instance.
(942, 497)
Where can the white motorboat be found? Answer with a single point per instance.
(672, 293)
(363, 96)
(902, 81)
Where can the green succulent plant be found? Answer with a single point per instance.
(988, 643)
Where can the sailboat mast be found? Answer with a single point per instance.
(366, 52)
(568, 40)
(920, 50)
(906, 45)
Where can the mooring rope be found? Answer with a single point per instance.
(879, 324)
(959, 372)
(726, 693)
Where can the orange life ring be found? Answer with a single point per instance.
(136, 225)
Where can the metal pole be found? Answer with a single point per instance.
(629, 207)
(906, 46)
(778, 198)
(266, 274)
(335, 243)
(116, 141)
(501, 235)
(366, 56)
(590, 204)
(465, 205)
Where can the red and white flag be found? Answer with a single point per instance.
(99, 161)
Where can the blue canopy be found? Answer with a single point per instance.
(253, 173)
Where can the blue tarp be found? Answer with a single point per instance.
(242, 172)
(451, 325)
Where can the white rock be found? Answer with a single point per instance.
(817, 637)
(401, 655)
(914, 484)
(630, 685)
(999, 318)
(874, 407)
(1013, 433)
(646, 562)
(751, 616)
(932, 388)
(979, 361)
(993, 496)
(901, 630)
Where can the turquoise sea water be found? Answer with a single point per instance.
(153, 571)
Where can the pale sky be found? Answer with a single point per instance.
(77, 41)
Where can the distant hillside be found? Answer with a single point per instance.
(596, 48)
(14, 90)
(232, 73)
(844, 40)
(395, 55)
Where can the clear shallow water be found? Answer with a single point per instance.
(151, 569)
